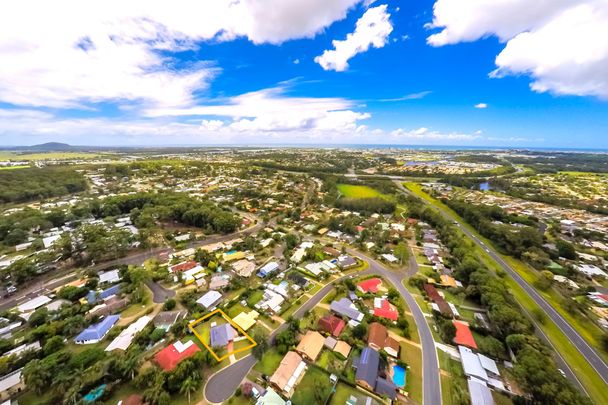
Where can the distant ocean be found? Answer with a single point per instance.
(421, 147)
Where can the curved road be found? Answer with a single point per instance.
(589, 353)
(224, 383)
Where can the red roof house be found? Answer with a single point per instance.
(331, 324)
(386, 310)
(183, 266)
(172, 355)
(370, 285)
(464, 336)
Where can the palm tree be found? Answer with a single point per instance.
(72, 395)
(36, 376)
(189, 385)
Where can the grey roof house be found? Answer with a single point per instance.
(345, 307)
(221, 335)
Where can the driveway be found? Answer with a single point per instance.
(160, 293)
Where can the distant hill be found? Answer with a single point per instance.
(49, 147)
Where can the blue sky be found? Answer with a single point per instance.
(443, 72)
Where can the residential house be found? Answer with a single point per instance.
(342, 348)
(219, 281)
(441, 304)
(95, 333)
(371, 285)
(331, 324)
(20, 350)
(480, 393)
(346, 308)
(246, 320)
(109, 307)
(288, 374)
(95, 296)
(11, 384)
(126, 336)
(243, 267)
(166, 319)
(384, 309)
(172, 355)
(367, 368)
(346, 262)
(267, 269)
(270, 397)
(33, 304)
(311, 345)
(111, 277)
(209, 299)
(379, 339)
(464, 336)
(221, 335)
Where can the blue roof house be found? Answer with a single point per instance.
(95, 333)
(95, 296)
(221, 335)
(367, 368)
(267, 269)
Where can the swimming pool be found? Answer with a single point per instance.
(399, 376)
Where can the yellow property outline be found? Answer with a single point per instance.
(192, 324)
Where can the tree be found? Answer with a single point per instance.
(189, 385)
(36, 376)
(53, 345)
(360, 331)
(261, 347)
(545, 280)
(169, 304)
(38, 317)
(402, 252)
(565, 249)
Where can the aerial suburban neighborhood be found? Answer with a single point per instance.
(304, 202)
(197, 279)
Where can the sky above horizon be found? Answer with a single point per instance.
(507, 73)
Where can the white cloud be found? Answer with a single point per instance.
(561, 44)
(431, 136)
(71, 53)
(272, 110)
(372, 29)
(411, 96)
(481, 106)
(211, 125)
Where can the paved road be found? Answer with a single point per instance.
(431, 394)
(160, 294)
(224, 383)
(589, 353)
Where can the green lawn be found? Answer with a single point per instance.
(236, 309)
(255, 297)
(413, 357)
(343, 393)
(269, 363)
(354, 191)
(314, 388)
(585, 373)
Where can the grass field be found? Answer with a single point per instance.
(270, 361)
(314, 388)
(589, 378)
(13, 167)
(412, 355)
(354, 191)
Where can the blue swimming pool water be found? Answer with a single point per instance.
(399, 376)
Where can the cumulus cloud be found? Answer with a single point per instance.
(70, 53)
(481, 106)
(561, 44)
(372, 29)
(273, 110)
